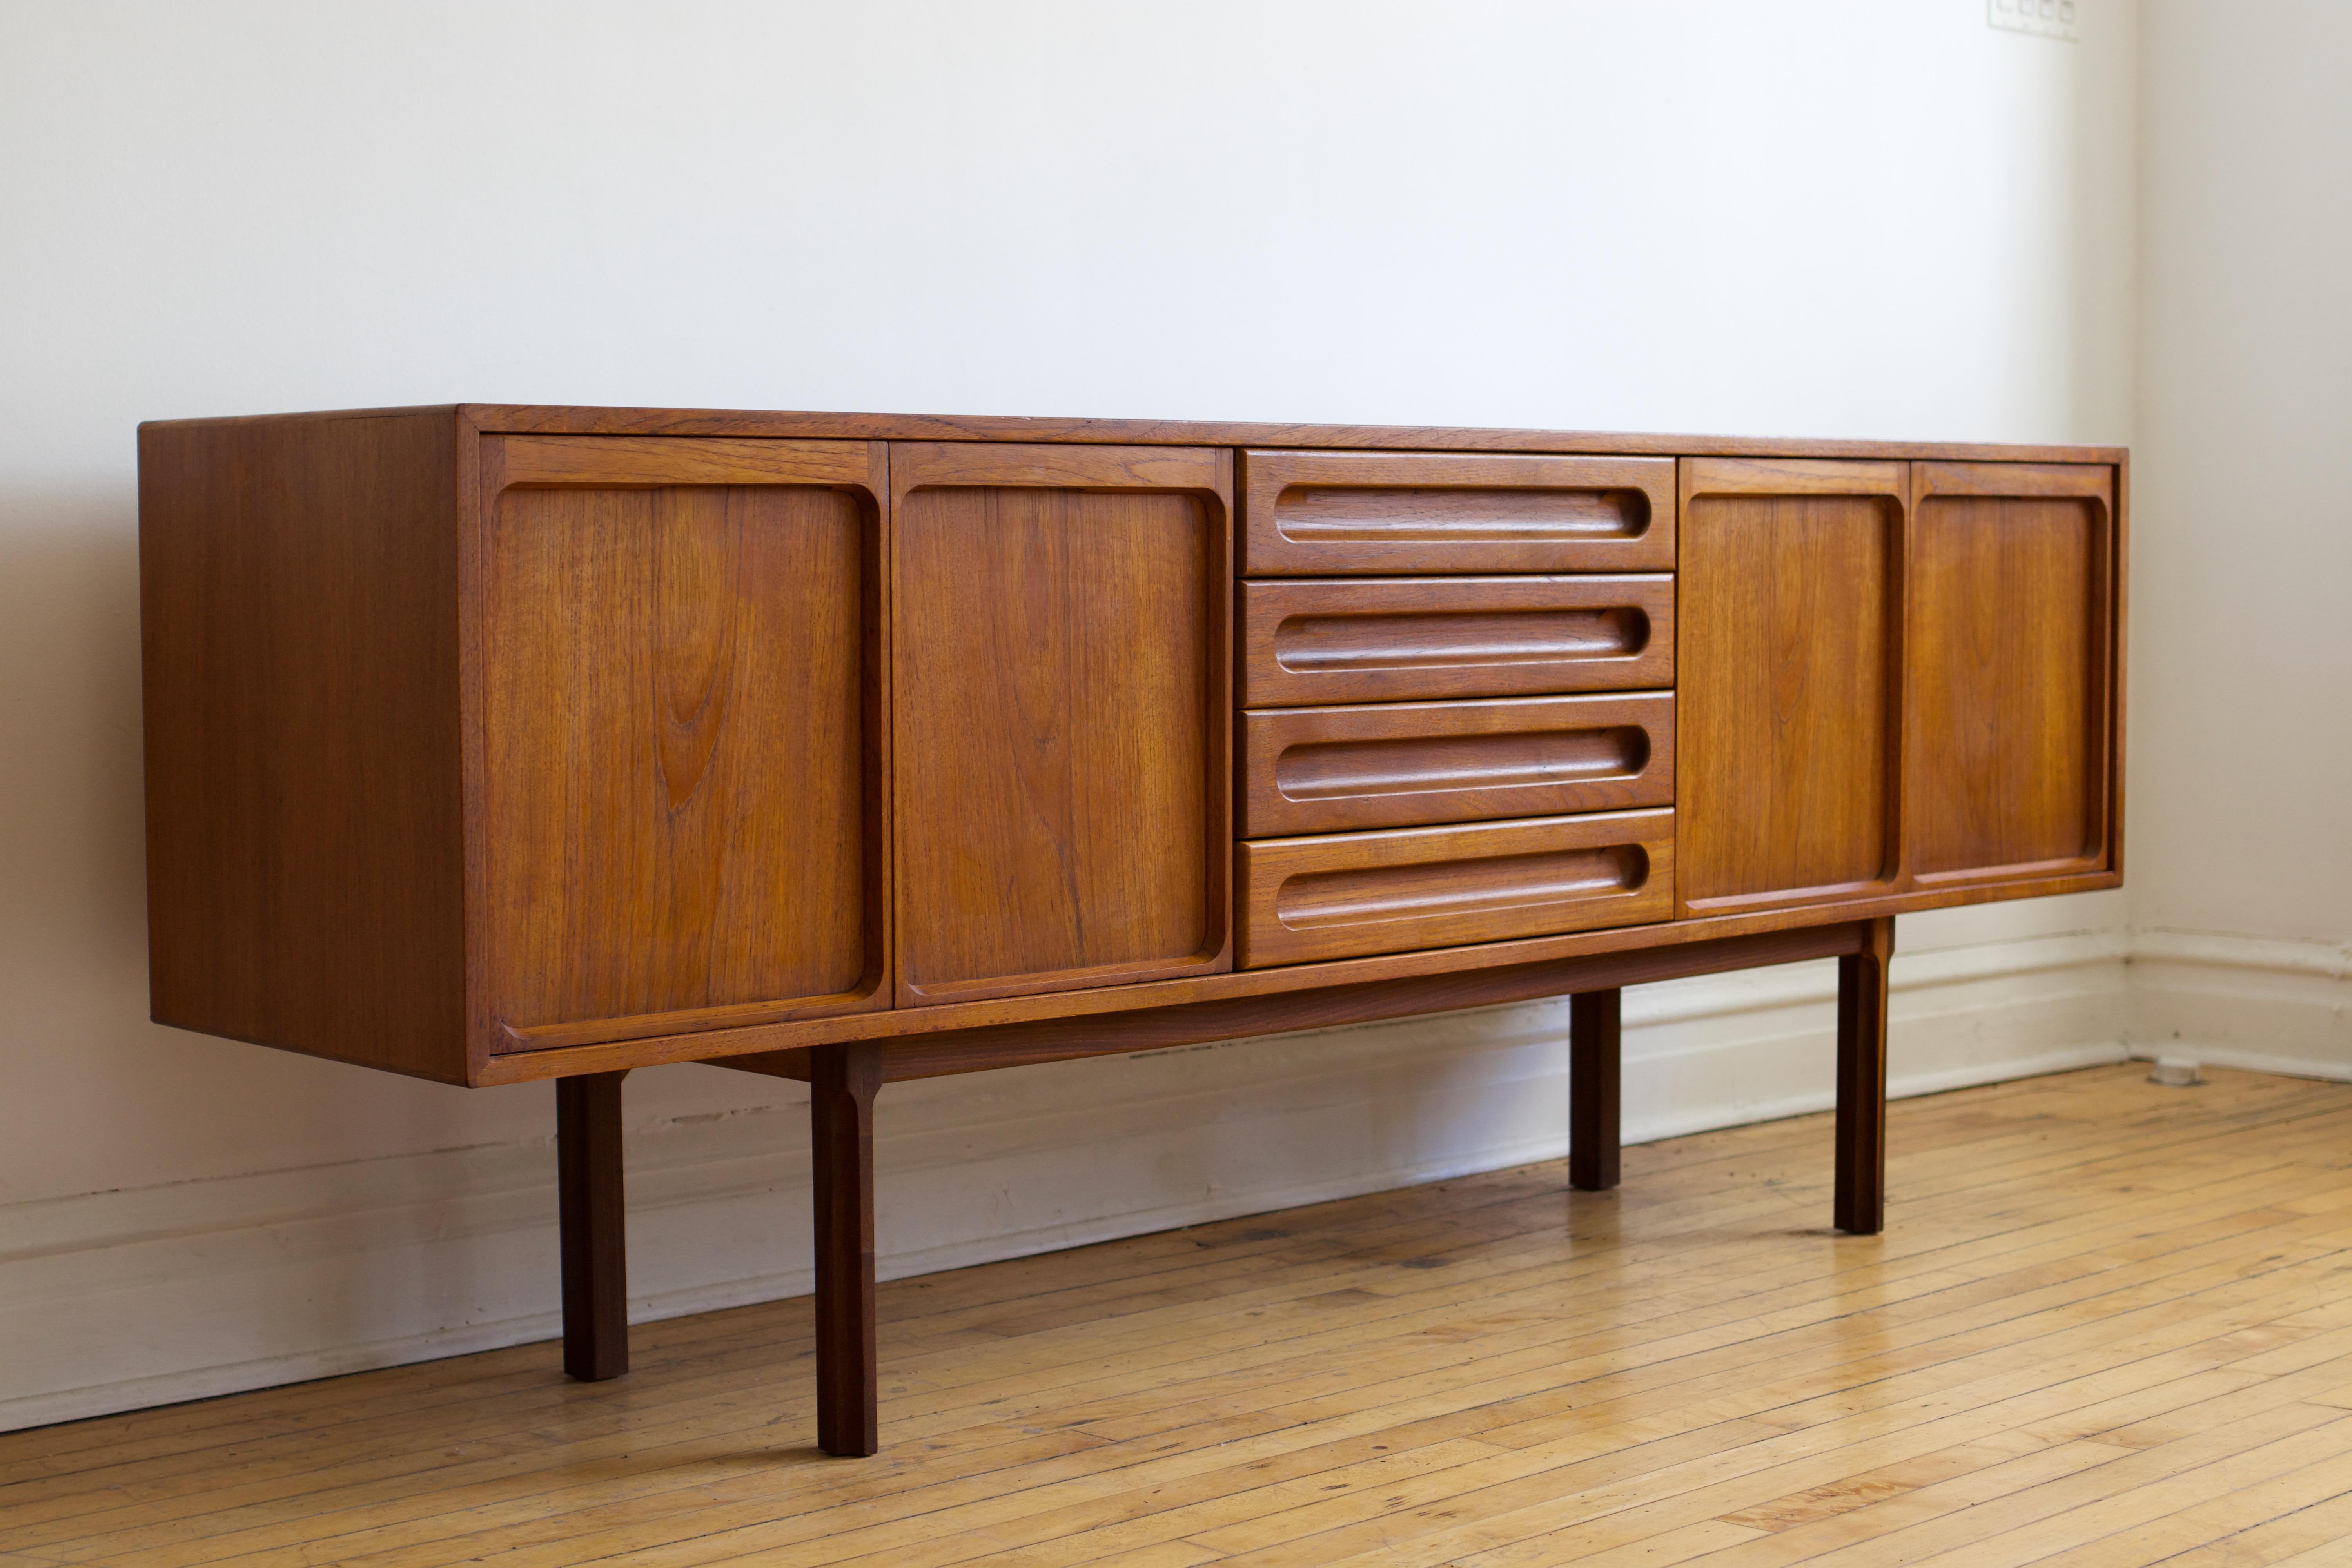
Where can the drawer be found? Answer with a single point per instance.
(1397, 764)
(1320, 641)
(1352, 894)
(1310, 514)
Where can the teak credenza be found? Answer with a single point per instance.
(492, 744)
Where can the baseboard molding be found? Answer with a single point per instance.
(135, 1299)
(2255, 1002)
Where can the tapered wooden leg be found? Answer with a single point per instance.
(595, 1250)
(1861, 1205)
(1593, 1060)
(842, 1084)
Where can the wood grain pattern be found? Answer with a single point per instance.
(1790, 697)
(1307, 514)
(1062, 717)
(2011, 619)
(1328, 770)
(685, 808)
(1342, 895)
(2104, 1329)
(633, 462)
(683, 719)
(349, 619)
(299, 655)
(1312, 641)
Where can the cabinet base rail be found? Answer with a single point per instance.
(844, 1080)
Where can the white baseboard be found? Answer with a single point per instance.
(2244, 1002)
(118, 1301)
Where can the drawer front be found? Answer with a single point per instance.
(1310, 514)
(1397, 765)
(1314, 642)
(1353, 895)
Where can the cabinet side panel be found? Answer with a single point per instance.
(297, 589)
(1786, 694)
(1057, 716)
(675, 726)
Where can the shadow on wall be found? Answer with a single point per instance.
(92, 1095)
(71, 834)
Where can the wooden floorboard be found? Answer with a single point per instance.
(2109, 1325)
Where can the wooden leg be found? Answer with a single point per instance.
(842, 1084)
(595, 1250)
(1861, 1205)
(1593, 1060)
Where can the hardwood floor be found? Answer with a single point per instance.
(2109, 1323)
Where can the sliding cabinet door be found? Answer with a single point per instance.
(2012, 610)
(1787, 681)
(682, 820)
(1063, 713)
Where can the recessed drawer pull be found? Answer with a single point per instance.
(1508, 883)
(1312, 513)
(1401, 765)
(1348, 895)
(1319, 640)
(1307, 645)
(1344, 768)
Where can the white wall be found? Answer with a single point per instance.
(1848, 218)
(2241, 750)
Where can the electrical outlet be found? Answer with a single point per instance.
(2047, 18)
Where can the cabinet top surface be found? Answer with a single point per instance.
(559, 419)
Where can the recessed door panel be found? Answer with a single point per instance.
(683, 757)
(2009, 605)
(1063, 716)
(1788, 681)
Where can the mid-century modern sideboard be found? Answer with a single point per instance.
(491, 743)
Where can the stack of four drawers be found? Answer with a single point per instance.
(1455, 676)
